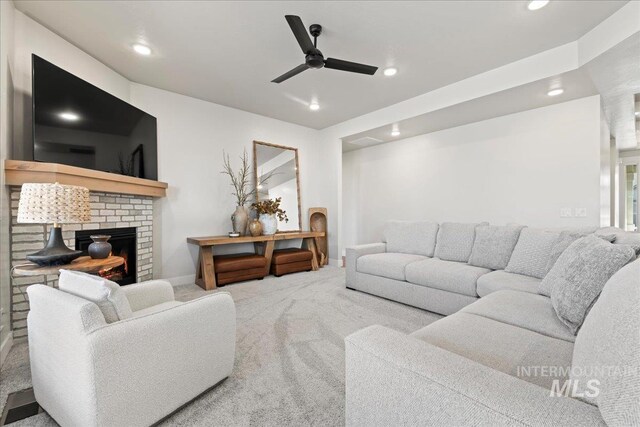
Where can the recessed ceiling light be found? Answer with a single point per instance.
(395, 133)
(67, 115)
(537, 4)
(390, 71)
(555, 92)
(314, 106)
(142, 49)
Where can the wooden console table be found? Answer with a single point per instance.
(205, 272)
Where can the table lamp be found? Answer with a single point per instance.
(54, 204)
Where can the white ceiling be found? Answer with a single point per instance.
(576, 84)
(228, 52)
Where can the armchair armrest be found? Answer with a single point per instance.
(147, 294)
(394, 379)
(355, 252)
(148, 366)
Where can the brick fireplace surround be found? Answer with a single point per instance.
(107, 211)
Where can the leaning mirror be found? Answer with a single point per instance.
(276, 175)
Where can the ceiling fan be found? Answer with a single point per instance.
(313, 56)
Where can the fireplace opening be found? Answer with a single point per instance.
(123, 244)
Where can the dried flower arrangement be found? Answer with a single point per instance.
(270, 207)
(240, 181)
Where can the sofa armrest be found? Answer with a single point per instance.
(147, 294)
(355, 252)
(394, 379)
(146, 367)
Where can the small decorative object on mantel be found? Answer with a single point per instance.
(267, 211)
(234, 234)
(255, 228)
(53, 204)
(100, 248)
(240, 182)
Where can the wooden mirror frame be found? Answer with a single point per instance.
(255, 177)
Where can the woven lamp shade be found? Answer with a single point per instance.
(53, 203)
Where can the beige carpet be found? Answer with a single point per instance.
(289, 367)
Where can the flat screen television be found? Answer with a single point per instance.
(75, 123)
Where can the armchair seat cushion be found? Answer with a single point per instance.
(499, 280)
(390, 265)
(500, 346)
(524, 310)
(156, 308)
(449, 276)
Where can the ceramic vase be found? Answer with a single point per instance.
(100, 248)
(269, 224)
(255, 228)
(239, 220)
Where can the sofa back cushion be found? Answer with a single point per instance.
(620, 237)
(607, 350)
(411, 237)
(532, 252)
(579, 275)
(493, 245)
(106, 294)
(455, 241)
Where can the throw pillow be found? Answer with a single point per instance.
(106, 294)
(531, 254)
(493, 245)
(579, 275)
(411, 237)
(455, 241)
(565, 240)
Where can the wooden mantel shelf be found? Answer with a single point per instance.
(18, 172)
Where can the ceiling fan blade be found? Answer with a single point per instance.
(300, 68)
(300, 32)
(354, 67)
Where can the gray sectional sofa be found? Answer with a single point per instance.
(502, 356)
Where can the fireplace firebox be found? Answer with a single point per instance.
(124, 244)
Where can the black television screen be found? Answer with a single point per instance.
(75, 123)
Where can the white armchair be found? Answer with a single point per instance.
(131, 372)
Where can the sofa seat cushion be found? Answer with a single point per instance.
(156, 308)
(390, 265)
(445, 275)
(500, 280)
(523, 309)
(506, 348)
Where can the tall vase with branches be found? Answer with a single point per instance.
(241, 183)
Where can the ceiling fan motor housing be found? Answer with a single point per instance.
(314, 59)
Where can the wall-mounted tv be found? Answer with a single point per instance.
(75, 123)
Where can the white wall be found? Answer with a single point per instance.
(191, 136)
(519, 168)
(6, 113)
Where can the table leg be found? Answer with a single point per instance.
(205, 274)
(311, 245)
(268, 253)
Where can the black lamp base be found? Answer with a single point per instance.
(56, 252)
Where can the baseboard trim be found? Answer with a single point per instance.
(335, 262)
(189, 279)
(5, 347)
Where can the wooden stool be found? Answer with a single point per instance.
(285, 261)
(239, 267)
